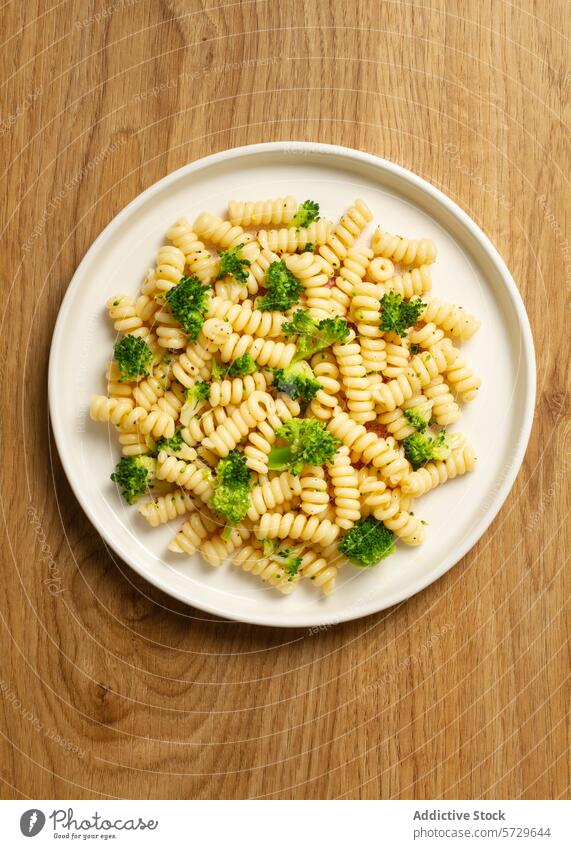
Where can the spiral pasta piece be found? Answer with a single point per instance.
(374, 495)
(251, 559)
(406, 527)
(122, 310)
(355, 381)
(426, 336)
(217, 331)
(249, 414)
(319, 570)
(167, 507)
(445, 410)
(261, 213)
(433, 474)
(314, 497)
(148, 391)
(326, 372)
(157, 423)
(192, 534)
(215, 549)
(308, 269)
(188, 475)
(191, 365)
(221, 233)
(350, 275)
(133, 444)
(243, 318)
(462, 379)
(116, 388)
(452, 319)
(350, 226)
(422, 369)
(371, 448)
(297, 526)
(170, 268)
(261, 439)
(169, 332)
(380, 269)
(266, 352)
(273, 493)
(399, 249)
(196, 428)
(235, 391)
(118, 411)
(292, 239)
(397, 359)
(346, 489)
(411, 283)
(172, 401)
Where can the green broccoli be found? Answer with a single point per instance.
(170, 445)
(239, 367)
(134, 475)
(309, 247)
(188, 301)
(231, 496)
(415, 348)
(297, 381)
(196, 398)
(417, 418)
(307, 212)
(287, 558)
(134, 358)
(314, 335)
(367, 542)
(234, 264)
(308, 444)
(420, 448)
(282, 288)
(398, 315)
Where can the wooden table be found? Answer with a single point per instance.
(111, 689)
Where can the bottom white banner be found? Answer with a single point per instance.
(288, 824)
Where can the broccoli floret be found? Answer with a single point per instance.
(309, 247)
(134, 358)
(415, 348)
(170, 445)
(241, 366)
(308, 444)
(287, 558)
(233, 263)
(231, 496)
(290, 561)
(134, 475)
(297, 381)
(367, 542)
(307, 212)
(417, 418)
(398, 315)
(282, 288)
(420, 448)
(313, 335)
(199, 392)
(188, 301)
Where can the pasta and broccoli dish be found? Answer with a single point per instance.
(284, 386)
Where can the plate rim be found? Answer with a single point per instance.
(528, 361)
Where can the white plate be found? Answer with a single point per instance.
(468, 271)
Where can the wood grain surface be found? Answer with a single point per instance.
(111, 689)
